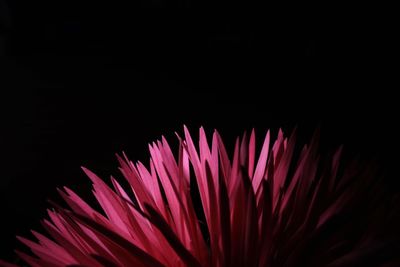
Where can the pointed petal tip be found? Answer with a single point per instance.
(83, 168)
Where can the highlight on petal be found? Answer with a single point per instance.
(279, 204)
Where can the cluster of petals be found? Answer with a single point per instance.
(263, 206)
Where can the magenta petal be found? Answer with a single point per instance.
(204, 207)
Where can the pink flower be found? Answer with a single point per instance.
(265, 210)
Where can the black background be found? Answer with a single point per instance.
(80, 82)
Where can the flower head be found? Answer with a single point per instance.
(204, 208)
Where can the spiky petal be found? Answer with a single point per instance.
(258, 210)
